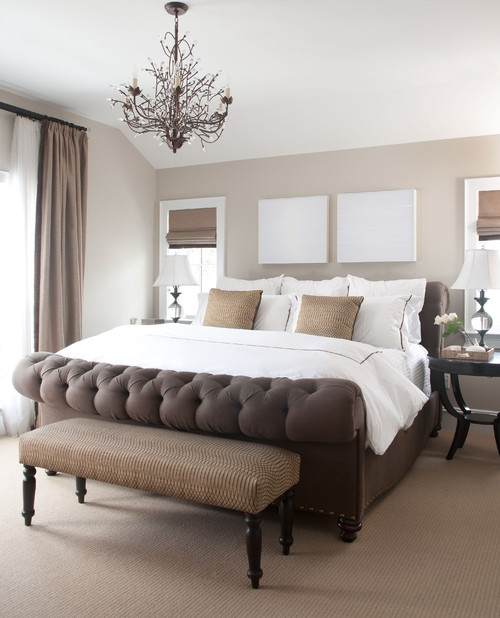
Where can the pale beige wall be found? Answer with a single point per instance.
(121, 228)
(121, 231)
(436, 169)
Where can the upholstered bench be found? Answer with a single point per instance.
(232, 474)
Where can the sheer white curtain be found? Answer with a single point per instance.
(17, 235)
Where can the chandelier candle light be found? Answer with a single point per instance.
(185, 105)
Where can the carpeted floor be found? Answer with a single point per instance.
(429, 548)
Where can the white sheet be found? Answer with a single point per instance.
(413, 363)
(391, 400)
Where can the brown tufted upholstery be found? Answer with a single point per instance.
(260, 408)
(437, 300)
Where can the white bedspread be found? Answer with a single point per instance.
(391, 400)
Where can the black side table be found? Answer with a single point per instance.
(456, 368)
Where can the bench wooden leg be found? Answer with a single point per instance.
(254, 547)
(29, 487)
(80, 489)
(286, 516)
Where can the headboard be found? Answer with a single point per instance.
(436, 302)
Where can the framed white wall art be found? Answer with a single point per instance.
(377, 226)
(293, 230)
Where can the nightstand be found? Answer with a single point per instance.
(465, 417)
(145, 321)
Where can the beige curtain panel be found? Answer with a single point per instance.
(488, 220)
(193, 227)
(60, 237)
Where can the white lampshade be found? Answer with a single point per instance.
(481, 271)
(175, 271)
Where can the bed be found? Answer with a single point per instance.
(358, 413)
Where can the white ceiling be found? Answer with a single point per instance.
(306, 75)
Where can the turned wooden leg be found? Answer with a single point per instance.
(254, 547)
(80, 489)
(349, 529)
(286, 515)
(29, 487)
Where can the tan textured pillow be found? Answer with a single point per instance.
(328, 316)
(231, 309)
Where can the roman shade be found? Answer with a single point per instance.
(193, 227)
(488, 219)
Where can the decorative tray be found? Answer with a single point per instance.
(464, 354)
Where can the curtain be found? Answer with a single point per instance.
(17, 231)
(60, 236)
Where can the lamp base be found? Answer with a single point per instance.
(174, 310)
(481, 320)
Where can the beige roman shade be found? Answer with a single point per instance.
(193, 227)
(488, 219)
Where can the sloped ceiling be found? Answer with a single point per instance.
(306, 76)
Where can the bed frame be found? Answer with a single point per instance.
(323, 420)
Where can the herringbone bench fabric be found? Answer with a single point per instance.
(232, 474)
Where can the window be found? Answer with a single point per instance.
(3, 262)
(207, 263)
(203, 262)
(472, 188)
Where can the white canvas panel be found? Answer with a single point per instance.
(293, 230)
(376, 226)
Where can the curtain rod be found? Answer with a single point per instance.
(34, 116)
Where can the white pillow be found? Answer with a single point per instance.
(274, 312)
(268, 286)
(338, 286)
(380, 322)
(398, 287)
(202, 307)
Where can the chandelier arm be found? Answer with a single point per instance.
(180, 107)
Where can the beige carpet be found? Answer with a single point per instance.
(431, 547)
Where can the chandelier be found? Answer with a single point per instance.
(184, 105)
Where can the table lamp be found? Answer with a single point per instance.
(481, 271)
(176, 271)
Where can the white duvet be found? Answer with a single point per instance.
(391, 400)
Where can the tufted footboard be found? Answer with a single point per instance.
(256, 408)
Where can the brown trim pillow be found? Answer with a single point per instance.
(232, 309)
(328, 316)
